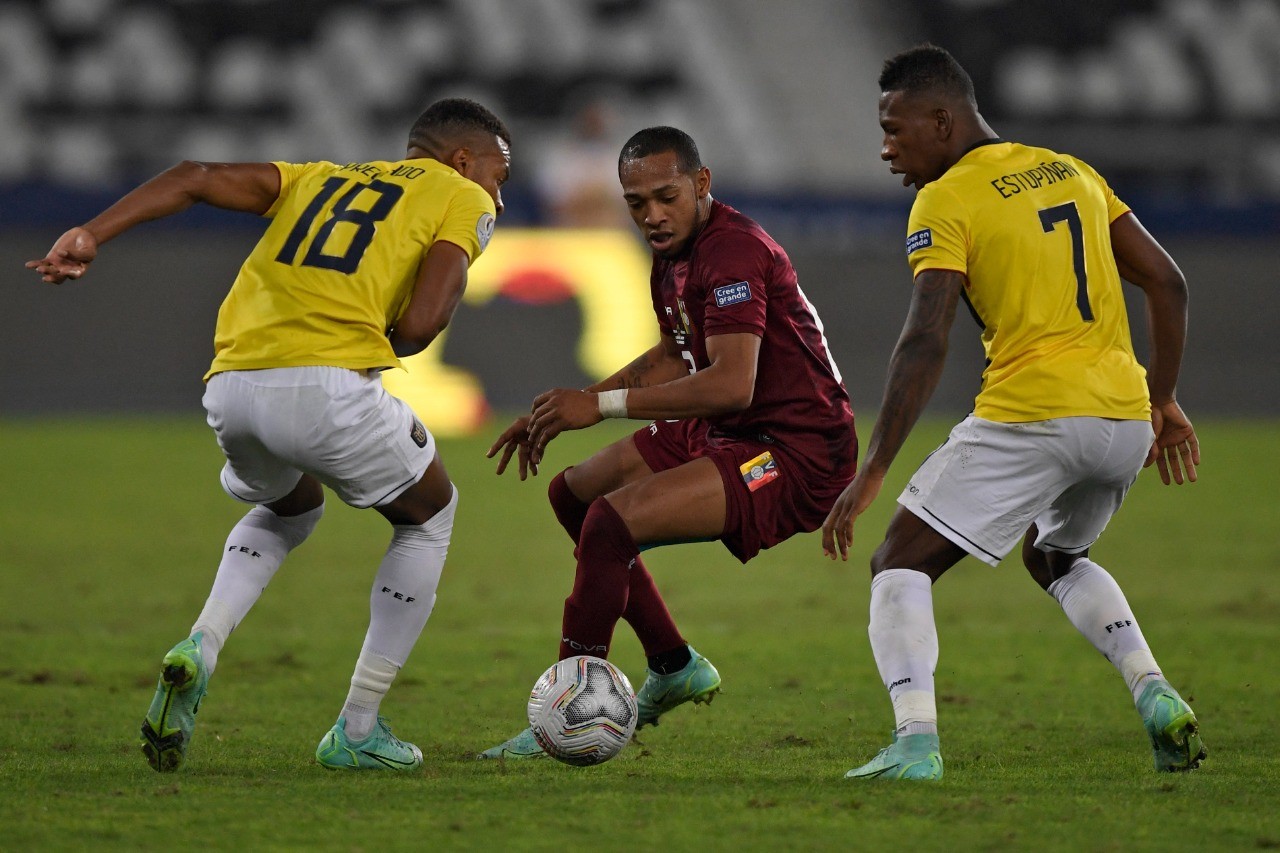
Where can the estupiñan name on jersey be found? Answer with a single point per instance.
(1046, 174)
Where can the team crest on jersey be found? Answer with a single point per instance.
(732, 294)
(484, 229)
(763, 469)
(418, 433)
(685, 325)
(921, 239)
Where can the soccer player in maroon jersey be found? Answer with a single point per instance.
(751, 439)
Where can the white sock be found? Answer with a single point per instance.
(370, 682)
(404, 592)
(1095, 604)
(254, 550)
(904, 641)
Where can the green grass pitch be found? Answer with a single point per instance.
(109, 536)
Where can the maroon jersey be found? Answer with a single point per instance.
(734, 279)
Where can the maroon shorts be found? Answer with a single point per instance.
(770, 493)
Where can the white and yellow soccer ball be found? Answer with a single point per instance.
(582, 710)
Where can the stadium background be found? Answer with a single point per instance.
(1176, 102)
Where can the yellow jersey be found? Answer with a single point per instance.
(1030, 229)
(336, 267)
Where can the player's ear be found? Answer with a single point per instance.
(461, 161)
(942, 122)
(702, 182)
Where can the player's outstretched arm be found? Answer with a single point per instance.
(914, 370)
(659, 364)
(1144, 262)
(250, 187)
(726, 385)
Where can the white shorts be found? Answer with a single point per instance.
(990, 481)
(338, 425)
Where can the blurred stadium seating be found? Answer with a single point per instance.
(97, 91)
(1177, 102)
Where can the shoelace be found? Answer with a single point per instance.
(385, 725)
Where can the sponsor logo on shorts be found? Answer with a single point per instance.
(418, 433)
(921, 239)
(732, 294)
(758, 471)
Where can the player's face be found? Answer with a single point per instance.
(489, 165)
(668, 206)
(914, 138)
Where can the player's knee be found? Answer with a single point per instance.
(293, 529)
(560, 496)
(881, 559)
(439, 527)
(1045, 567)
(604, 521)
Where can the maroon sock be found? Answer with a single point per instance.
(647, 614)
(570, 511)
(600, 587)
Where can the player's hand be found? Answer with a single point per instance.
(1176, 449)
(69, 257)
(837, 530)
(557, 410)
(515, 438)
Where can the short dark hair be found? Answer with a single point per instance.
(453, 117)
(660, 139)
(926, 67)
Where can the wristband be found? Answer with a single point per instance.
(613, 404)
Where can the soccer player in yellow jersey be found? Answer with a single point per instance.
(1035, 243)
(361, 263)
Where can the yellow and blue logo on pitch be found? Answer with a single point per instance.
(759, 471)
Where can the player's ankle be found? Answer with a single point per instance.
(665, 663)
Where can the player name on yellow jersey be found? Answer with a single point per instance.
(1046, 173)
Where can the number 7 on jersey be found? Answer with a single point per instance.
(1070, 214)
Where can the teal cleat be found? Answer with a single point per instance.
(523, 745)
(1172, 727)
(908, 757)
(697, 682)
(171, 719)
(381, 750)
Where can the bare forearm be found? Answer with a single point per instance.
(653, 367)
(916, 365)
(1167, 321)
(166, 194)
(1144, 262)
(695, 395)
(248, 187)
(914, 371)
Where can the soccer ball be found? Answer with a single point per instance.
(582, 710)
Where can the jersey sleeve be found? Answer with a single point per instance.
(290, 174)
(1115, 207)
(734, 269)
(938, 232)
(469, 220)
